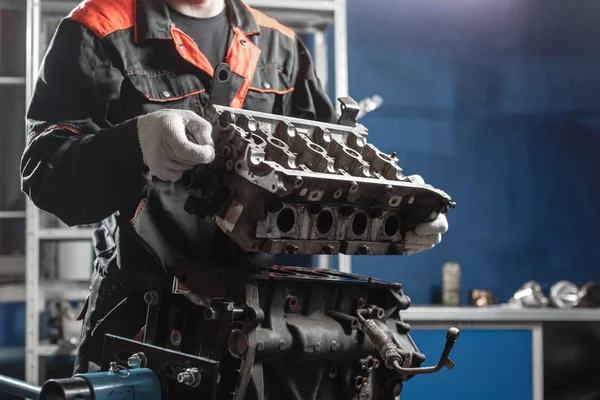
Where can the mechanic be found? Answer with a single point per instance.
(116, 118)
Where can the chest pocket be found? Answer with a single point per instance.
(269, 90)
(156, 90)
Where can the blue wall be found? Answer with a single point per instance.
(498, 103)
(484, 359)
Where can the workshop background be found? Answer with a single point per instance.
(497, 102)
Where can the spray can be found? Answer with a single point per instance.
(451, 284)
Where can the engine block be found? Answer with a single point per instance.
(286, 185)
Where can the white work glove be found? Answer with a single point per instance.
(427, 234)
(174, 141)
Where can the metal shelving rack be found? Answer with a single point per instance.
(11, 264)
(306, 16)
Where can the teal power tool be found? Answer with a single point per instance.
(141, 371)
(117, 384)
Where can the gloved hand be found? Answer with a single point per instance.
(427, 234)
(174, 141)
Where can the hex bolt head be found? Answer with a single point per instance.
(137, 360)
(364, 250)
(291, 248)
(114, 367)
(328, 249)
(190, 377)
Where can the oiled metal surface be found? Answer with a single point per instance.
(286, 185)
(230, 273)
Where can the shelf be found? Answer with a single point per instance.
(12, 214)
(66, 233)
(12, 80)
(63, 290)
(46, 349)
(501, 313)
(13, 5)
(12, 293)
(12, 265)
(12, 354)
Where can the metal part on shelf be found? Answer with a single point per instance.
(497, 313)
(565, 294)
(529, 295)
(288, 185)
(369, 104)
(590, 295)
(482, 298)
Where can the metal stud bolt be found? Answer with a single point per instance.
(190, 377)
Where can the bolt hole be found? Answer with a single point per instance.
(324, 222)
(277, 142)
(292, 302)
(316, 148)
(358, 382)
(360, 303)
(352, 152)
(223, 75)
(257, 140)
(359, 224)
(333, 372)
(391, 225)
(286, 219)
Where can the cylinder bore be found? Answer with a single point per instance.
(391, 225)
(359, 224)
(286, 219)
(324, 222)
